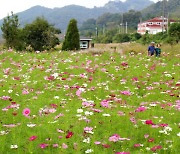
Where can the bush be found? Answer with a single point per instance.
(120, 38)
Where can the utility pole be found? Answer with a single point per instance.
(167, 22)
(97, 32)
(122, 25)
(163, 14)
(103, 29)
(126, 28)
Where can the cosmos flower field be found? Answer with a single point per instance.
(107, 103)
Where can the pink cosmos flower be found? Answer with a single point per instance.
(86, 104)
(133, 120)
(124, 64)
(146, 135)
(97, 142)
(120, 113)
(64, 146)
(106, 145)
(155, 126)
(55, 145)
(5, 98)
(60, 131)
(103, 70)
(32, 138)
(135, 79)
(6, 71)
(128, 93)
(105, 103)
(16, 78)
(137, 145)
(60, 137)
(151, 140)
(156, 148)
(25, 92)
(26, 112)
(90, 78)
(140, 109)
(82, 75)
(96, 110)
(10, 126)
(43, 145)
(87, 129)
(122, 153)
(114, 138)
(78, 93)
(163, 125)
(59, 115)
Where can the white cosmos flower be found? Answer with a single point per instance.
(87, 113)
(79, 110)
(55, 75)
(86, 140)
(56, 97)
(31, 125)
(14, 146)
(106, 115)
(10, 91)
(89, 151)
(178, 134)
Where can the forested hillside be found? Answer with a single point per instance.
(61, 16)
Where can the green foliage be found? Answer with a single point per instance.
(88, 28)
(40, 35)
(10, 29)
(174, 31)
(135, 36)
(72, 38)
(120, 38)
(109, 21)
(154, 10)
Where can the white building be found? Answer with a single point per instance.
(85, 43)
(154, 26)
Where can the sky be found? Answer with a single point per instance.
(6, 6)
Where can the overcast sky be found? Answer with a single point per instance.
(6, 6)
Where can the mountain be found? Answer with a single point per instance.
(61, 16)
(171, 6)
(119, 6)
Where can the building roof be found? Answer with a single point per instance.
(85, 39)
(159, 19)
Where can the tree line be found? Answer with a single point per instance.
(38, 36)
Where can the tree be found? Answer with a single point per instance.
(40, 35)
(119, 38)
(71, 41)
(10, 29)
(174, 32)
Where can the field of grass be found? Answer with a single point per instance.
(89, 102)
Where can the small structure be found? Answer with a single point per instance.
(154, 26)
(85, 43)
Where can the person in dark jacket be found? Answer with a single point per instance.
(158, 50)
(151, 49)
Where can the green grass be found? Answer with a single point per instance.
(104, 78)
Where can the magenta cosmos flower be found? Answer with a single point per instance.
(32, 138)
(26, 112)
(43, 145)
